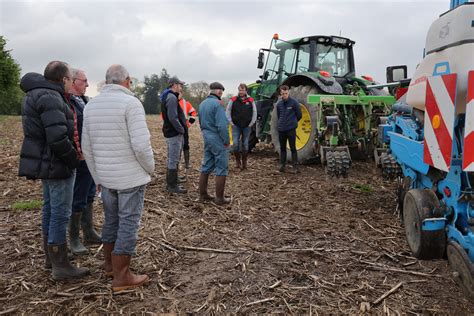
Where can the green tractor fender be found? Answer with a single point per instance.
(327, 85)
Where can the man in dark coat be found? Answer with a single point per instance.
(288, 114)
(174, 129)
(51, 152)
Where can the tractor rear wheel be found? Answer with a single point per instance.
(417, 206)
(306, 132)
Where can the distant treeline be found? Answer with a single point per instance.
(148, 90)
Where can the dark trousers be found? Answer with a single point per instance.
(84, 188)
(284, 137)
(186, 140)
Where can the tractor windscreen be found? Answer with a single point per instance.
(332, 59)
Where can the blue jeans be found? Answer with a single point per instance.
(84, 188)
(175, 145)
(122, 211)
(238, 135)
(57, 208)
(216, 156)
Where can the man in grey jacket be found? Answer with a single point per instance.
(117, 148)
(174, 128)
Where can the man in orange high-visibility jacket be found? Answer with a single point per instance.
(190, 114)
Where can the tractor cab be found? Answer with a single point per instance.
(331, 56)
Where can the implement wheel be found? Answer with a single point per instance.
(462, 267)
(417, 206)
(306, 131)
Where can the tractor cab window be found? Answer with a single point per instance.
(303, 58)
(289, 62)
(332, 59)
(273, 62)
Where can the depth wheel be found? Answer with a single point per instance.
(462, 267)
(330, 163)
(417, 206)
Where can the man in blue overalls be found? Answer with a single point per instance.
(214, 127)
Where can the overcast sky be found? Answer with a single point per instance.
(208, 40)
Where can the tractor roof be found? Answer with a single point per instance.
(333, 40)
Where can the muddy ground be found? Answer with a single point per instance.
(287, 244)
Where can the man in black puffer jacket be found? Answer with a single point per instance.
(50, 153)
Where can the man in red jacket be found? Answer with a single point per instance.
(242, 114)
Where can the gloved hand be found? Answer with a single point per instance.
(191, 120)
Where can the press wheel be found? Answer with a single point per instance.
(463, 268)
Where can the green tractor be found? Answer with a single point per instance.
(340, 111)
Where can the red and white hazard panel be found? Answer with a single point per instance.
(439, 120)
(468, 158)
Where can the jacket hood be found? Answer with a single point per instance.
(164, 94)
(34, 80)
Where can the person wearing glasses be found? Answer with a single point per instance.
(117, 148)
(84, 186)
(51, 152)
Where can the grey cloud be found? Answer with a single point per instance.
(207, 40)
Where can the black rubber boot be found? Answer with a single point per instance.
(186, 159)
(245, 155)
(238, 161)
(294, 162)
(220, 187)
(172, 182)
(75, 244)
(203, 182)
(181, 179)
(47, 261)
(282, 163)
(62, 268)
(87, 223)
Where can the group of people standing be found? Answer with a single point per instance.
(76, 146)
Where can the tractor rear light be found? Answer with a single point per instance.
(447, 192)
(368, 78)
(275, 36)
(324, 73)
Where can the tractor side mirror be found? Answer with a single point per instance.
(265, 75)
(396, 73)
(261, 56)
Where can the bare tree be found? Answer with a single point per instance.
(199, 90)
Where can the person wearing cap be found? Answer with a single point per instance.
(242, 114)
(214, 128)
(174, 128)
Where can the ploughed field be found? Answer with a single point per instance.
(287, 244)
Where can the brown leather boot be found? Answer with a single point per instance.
(124, 279)
(107, 249)
(220, 187)
(203, 182)
(238, 163)
(245, 155)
